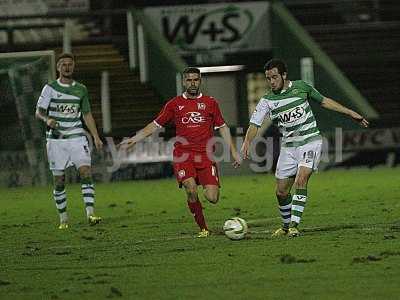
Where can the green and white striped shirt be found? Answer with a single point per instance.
(65, 103)
(291, 112)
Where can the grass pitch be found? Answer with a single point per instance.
(145, 248)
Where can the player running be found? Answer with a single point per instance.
(61, 105)
(287, 106)
(195, 117)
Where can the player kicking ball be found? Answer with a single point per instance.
(61, 105)
(195, 117)
(287, 106)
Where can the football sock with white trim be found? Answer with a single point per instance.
(88, 195)
(60, 197)
(285, 206)
(298, 204)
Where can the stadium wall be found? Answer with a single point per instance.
(163, 62)
(291, 42)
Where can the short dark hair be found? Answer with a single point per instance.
(276, 63)
(65, 55)
(191, 70)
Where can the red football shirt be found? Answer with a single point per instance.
(195, 120)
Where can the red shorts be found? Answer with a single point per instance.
(198, 166)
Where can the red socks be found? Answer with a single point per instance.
(197, 210)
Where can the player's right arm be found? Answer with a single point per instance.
(42, 106)
(165, 116)
(256, 121)
(142, 134)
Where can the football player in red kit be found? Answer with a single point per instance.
(195, 117)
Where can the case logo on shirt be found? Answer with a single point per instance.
(291, 116)
(193, 117)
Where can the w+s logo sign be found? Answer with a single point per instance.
(218, 27)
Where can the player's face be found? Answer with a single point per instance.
(275, 79)
(65, 67)
(192, 83)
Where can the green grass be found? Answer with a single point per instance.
(145, 249)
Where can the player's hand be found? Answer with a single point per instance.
(237, 160)
(98, 143)
(359, 119)
(245, 150)
(52, 123)
(126, 144)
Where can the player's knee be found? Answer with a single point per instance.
(281, 194)
(212, 197)
(301, 182)
(59, 183)
(85, 171)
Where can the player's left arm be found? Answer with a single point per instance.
(331, 104)
(89, 120)
(91, 125)
(226, 135)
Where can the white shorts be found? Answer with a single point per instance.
(291, 158)
(64, 153)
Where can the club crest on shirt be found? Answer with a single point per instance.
(201, 106)
(181, 173)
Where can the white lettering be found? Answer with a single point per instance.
(193, 117)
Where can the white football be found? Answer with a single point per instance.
(235, 228)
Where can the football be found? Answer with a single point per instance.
(235, 228)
